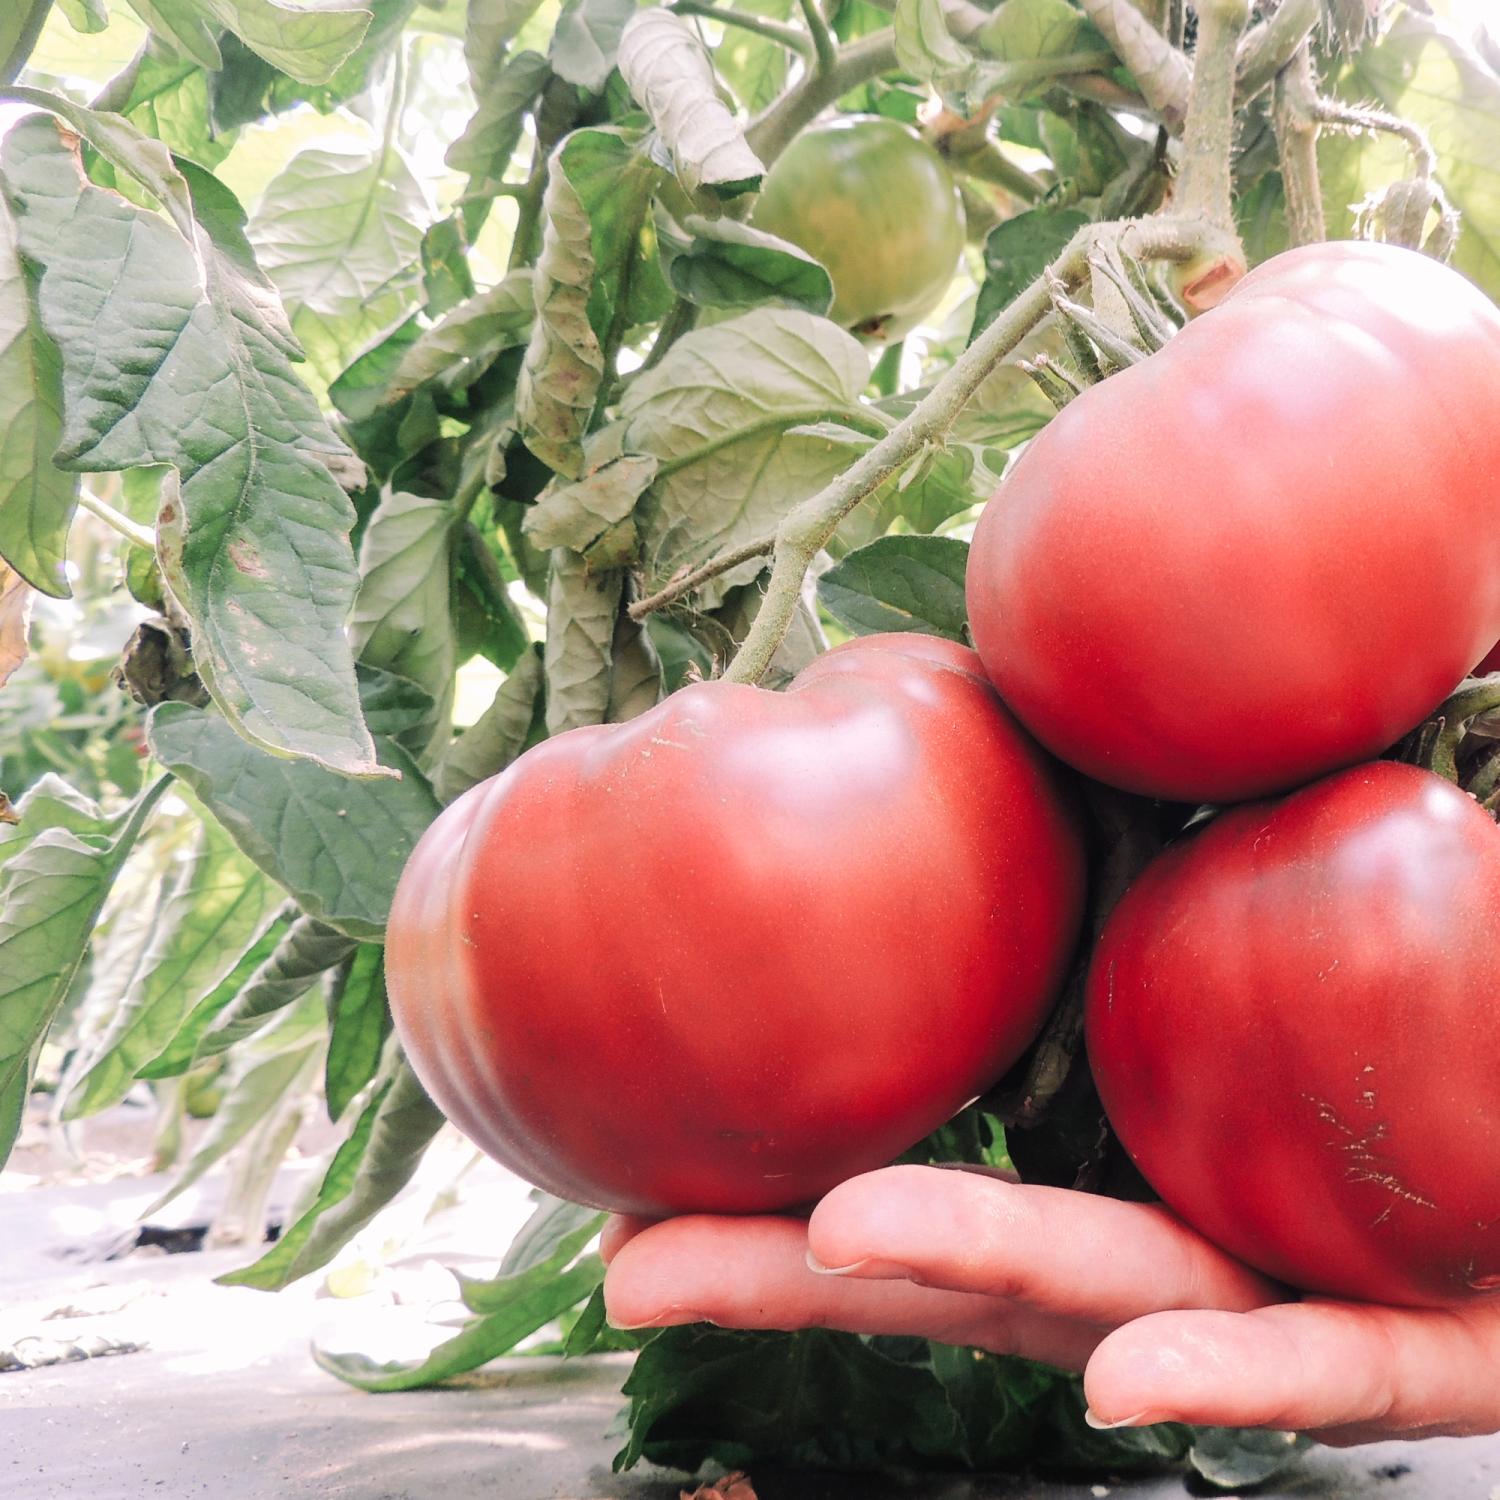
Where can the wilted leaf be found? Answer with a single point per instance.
(716, 412)
(587, 40)
(372, 1165)
(338, 845)
(176, 354)
(669, 73)
(456, 351)
(581, 612)
(51, 894)
(36, 497)
(488, 745)
(215, 905)
(15, 618)
(578, 514)
(494, 129)
(900, 583)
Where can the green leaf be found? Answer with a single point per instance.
(36, 497)
(498, 736)
(338, 845)
(1236, 1458)
(587, 40)
(755, 67)
(666, 68)
(446, 278)
(176, 354)
(217, 903)
(716, 412)
(729, 264)
(925, 47)
(897, 583)
(52, 803)
(489, 26)
(307, 41)
(51, 894)
(490, 138)
(556, 1232)
(361, 1021)
(87, 16)
(308, 950)
(402, 620)
(177, 1057)
(167, 98)
(1016, 253)
(341, 236)
(581, 611)
(182, 25)
(369, 1168)
(698, 1393)
(598, 197)
(458, 350)
(394, 708)
(19, 30)
(1021, 30)
(519, 1304)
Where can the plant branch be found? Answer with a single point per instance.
(678, 321)
(689, 582)
(1203, 189)
(1356, 118)
(135, 534)
(806, 530)
(1294, 120)
(30, 31)
(773, 31)
(1270, 45)
(858, 62)
(825, 49)
(1160, 69)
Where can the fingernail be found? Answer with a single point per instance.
(1140, 1419)
(669, 1317)
(877, 1269)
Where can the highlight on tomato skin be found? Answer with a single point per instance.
(1291, 1020)
(1268, 550)
(746, 945)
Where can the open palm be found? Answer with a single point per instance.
(1165, 1326)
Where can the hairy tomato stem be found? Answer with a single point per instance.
(1294, 119)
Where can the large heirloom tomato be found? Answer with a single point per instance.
(871, 200)
(746, 945)
(1294, 1021)
(1268, 550)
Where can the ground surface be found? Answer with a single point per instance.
(213, 1392)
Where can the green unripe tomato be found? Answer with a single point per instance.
(875, 204)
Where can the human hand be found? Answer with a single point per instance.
(1165, 1326)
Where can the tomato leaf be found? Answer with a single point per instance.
(1016, 253)
(586, 512)
(500, 733)
(51, 893)
(489, 26)
(556, 1231)
(361, 1021)
(215, 904)
(925, 47)
(587, 40)
(581, 612)
(36, 497)
(336, 844)
(899, 583)
(255, 544)
(494, 130)
(368, 1169)
(462, 347)
(755, 67)
(1235, 1458)
(723, 263)
(667, 70)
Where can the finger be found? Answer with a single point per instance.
(753, 1273)
(618, 1231)
(1067, 1253)
(1356, 1371)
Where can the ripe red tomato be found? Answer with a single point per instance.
(1292, 1020)
(745, 945)
(1268, 550)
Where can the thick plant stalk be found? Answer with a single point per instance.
(1295, 122)
(807, 529)
(858, 62)
(1270, 45)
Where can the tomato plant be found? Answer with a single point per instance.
(1289, 1023)
(878, 207)
(1261, 553)
(724, 956)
